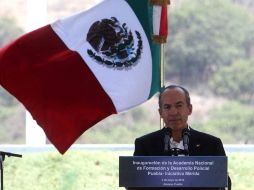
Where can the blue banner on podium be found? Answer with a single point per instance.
(167, 171)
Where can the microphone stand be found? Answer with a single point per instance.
(2, 157)
(176, 151)
(185, 136)
(168, 134)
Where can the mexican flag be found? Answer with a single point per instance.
(78, 70)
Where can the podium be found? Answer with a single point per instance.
(173, 172)
(2, 158)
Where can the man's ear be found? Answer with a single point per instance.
(159, 110)
(190, 109)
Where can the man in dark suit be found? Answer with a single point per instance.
(174, 108)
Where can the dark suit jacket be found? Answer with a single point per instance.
(200, 144)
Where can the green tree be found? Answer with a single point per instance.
(11, 112)
(233, 122)
(235, 81)
(205, 35)
(124, 127)
(9, 30)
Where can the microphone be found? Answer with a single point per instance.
(185, 136)
(168, 133)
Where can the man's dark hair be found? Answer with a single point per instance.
(186, 93)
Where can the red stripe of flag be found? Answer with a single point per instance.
(55, 85)
(164, 21)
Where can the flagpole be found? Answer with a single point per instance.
(160, 29)
(162, 73)
(162, 67)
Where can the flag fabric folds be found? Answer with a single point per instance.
(78, 70)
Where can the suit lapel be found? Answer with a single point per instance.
(195, 146)
(156, 146)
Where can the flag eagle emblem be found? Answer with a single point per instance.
(113, 44)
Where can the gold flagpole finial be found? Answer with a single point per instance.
(160, 2)
(159, 39)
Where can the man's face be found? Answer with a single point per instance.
(174, 109)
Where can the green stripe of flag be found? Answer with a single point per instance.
(144, 12)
